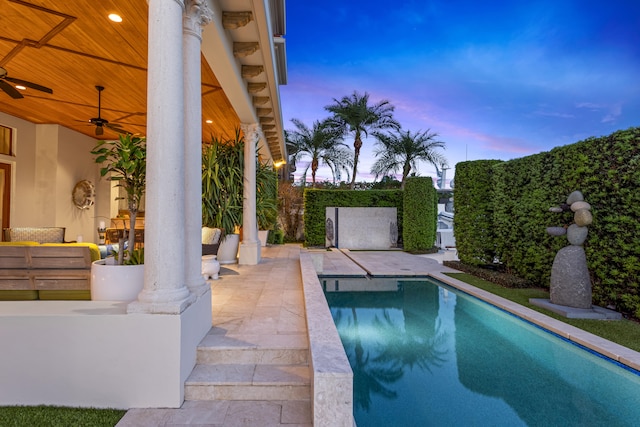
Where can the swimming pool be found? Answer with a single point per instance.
(423, 353)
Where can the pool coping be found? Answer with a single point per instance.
(331, 374)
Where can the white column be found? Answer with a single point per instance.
(250, 246)
(197, 14)
(164, 270)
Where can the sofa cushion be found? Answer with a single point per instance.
(36, 234)
(94, 250)
(211, 236)
(19, 243)
(18, 295)
(108, 250)
(64, 295)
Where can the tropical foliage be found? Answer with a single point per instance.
(322, 144)
(400, 150)
(354, 115)
(223, 186)
(125, 160)
(222, 183)
(266, 196)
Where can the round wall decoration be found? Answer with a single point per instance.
(83, 194)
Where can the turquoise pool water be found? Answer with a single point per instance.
(424, 354)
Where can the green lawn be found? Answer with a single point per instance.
(623, 332)
(54, 416)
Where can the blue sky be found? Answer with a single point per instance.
(495, 79)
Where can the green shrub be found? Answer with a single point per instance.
(420, 214)
(491, 273)
(473, 221)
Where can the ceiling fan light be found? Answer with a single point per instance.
(20, 87)
(115, 17)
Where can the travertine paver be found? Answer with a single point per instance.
(335, 263)
(394, 263)
(224, 414)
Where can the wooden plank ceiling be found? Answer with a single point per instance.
(72, 47)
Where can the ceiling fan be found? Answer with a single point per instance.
(101, 123)
(12, 91)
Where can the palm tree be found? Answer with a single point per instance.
(323, 144)
(353, 114)
(404, 150)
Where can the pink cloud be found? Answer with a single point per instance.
(429, 116)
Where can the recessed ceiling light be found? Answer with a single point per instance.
(209, 121)
(21, 87)
(115, 17)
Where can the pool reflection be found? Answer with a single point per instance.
(391, 333)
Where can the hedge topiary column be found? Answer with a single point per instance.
(420, 214)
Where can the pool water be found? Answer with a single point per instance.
(424, 354)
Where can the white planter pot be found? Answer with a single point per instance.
(263, 235)
(228, 250)
(116, 282)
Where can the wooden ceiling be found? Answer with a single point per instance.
(72, 47)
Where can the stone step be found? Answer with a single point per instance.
(266, 349)
(248, 382)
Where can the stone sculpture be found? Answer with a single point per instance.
(328, 227)
(570, 281)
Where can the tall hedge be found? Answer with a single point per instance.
(315, 202)
(605, 169)
(420, 214)
(473, 219)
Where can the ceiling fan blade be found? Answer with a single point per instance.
(11, 91)
(29, 84)
(116, 127)
(129, 123)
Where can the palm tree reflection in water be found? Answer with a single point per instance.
(385, 344)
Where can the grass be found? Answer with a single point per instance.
(624, 332)
(55, 416)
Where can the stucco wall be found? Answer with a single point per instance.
(362, 228)
(94, 354)
(49, 161)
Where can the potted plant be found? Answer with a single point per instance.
(266, 200)
(222, 190)
(125, 161)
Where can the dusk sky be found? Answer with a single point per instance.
(495, 79)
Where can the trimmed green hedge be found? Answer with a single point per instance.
(473, 219)
(315, 202)
(519, 193)
(420, 214)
